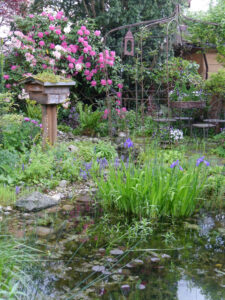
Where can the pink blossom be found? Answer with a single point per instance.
(52, 46)
(85, 43)
(31, 16)
(8, 85)
(87, 32)
(14, 67)
(44, 66)
(6, 77)
(71, 66)
(58, 16)
(81, 40)
(102, 66)
(80, 32)
(64, 44)
(62, 37)
(109, 81)
(113, 53)
(51, 18)
(124, 109)
(65, 19)
(58, 31)
(118, 102)
(43, 14)
(118, 111)
(85, 50)
(86, 72)
(89, 47)
(41, 43)
(97, 33)
(101, 60)
(83, 27)
(111, 63)
(92, 53)
(119, 94)
(103, 82)
(47, 33)
(94, 71)
(40, 35)
(93, 83)
(40, 126)
(72, 60)
(120, 85)
(89, 78)
(88, 65)
(106, 112)
(51, 27)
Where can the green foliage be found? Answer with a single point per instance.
(7, 195)
(89, 120)
(6, 103)
(215, 85)
(153, 189)
(17, 134)
(33, 110)
(49, 76)
(105, 150)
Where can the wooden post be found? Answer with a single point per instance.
(49, 123)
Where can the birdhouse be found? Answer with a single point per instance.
(129, 44)
(49, 95)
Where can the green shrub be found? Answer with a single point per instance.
(33, 110)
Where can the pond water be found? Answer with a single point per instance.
(182, 260)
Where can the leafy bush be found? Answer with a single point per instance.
(33, 110)
(6, 103)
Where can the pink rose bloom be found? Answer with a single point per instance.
(58, 16)
(118, 102)
(44, 66)
(120, 85)
(85, 43)
(89, 47)
(97, 33)
(119, 95)
(71, 66)
(113, 53)
(51, 18)
(93, 83)
(64, 45)
(118, 111)
(41, 43)
(73, 60)
(43, 14)
(51, 27)
(85, 50)
(6, 77)
(102, 66)
(87, 32)
(81, 40)
(86, 72)
(47, 33)
(52, 46)
(101, 59)
(65, 19)
(109, 81)
(8, 86)
(94, 71)
(14, 68)
(40, 35)
(103, 82)
(88, 65)
(58, 31)
(92, 53)
(31, 16)
(83, 27)
(88, 78)
(80, 32)
(124, 109)
(100, 54)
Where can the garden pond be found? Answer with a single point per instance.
(181, 260)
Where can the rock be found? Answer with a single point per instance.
(73, 148)
(155, 259)
(98, 268)
(137, 262)
(222, 231)
(67, 207)
(8, 208)
(44, 231)
(35, 201)
(122, 134)
(63, 183)
(57, 197)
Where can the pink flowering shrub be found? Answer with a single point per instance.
(49, 42)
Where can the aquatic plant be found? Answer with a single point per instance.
(154, 189)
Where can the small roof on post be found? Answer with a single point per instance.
(34, 80)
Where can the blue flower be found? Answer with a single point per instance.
(83, 174)
(201, 160)
(176, 163)
(17, 190)
(128, 143)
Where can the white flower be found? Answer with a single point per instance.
(58, 48)
(78, 67)
(176, 134)
(66, 104)
(52, 62)
(57, 54)
(67, 29)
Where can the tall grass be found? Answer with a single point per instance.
(7, 195)
(153, 189)
(15, 258)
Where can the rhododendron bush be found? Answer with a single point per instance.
(50, 42)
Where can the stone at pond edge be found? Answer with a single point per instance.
(116, 252)
(43, 231)
(63, 183)
(35, 201)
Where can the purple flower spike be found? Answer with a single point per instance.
(17, 190)
(201, 160)
(128, 143)
(175, 163)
